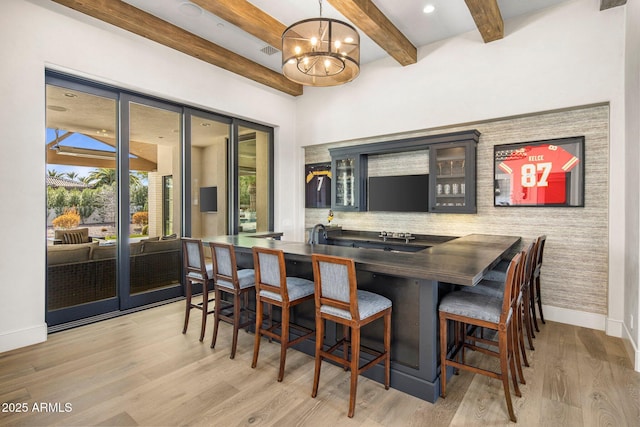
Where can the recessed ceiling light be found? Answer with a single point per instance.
(70, 95)
(429, 8)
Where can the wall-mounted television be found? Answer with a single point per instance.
(406, 193)
(208, 199)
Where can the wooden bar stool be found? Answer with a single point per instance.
(495, 288)
(274, 288)
(536, 296)
(238, 283)
(474, 309)
(196, 271)
(338, 299)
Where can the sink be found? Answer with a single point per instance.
(405, 248)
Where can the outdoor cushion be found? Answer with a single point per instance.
(72, 236)
(135, 248)
(161, 245)
(103, 252)
(67, 254)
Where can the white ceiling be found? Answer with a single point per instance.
(451, 17)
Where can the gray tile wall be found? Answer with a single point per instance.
(575, 270)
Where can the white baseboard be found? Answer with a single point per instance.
(632, 347)
(575, 317)
(21, 338)
(614, 328)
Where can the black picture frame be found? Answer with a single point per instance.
(540, 173)
(317, 178)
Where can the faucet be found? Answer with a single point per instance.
(315, 236)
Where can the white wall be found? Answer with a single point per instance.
(43, 34)
(632, 252)
(565, 56)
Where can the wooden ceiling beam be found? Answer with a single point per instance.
(132, 19)
(608, 4)
(53, 158)
(488, 19)
(370, 20)
(59, 139)
(245, 15)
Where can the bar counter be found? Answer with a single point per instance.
(413, 281)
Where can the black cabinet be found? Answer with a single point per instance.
(452, 171)
(452, 177)
(349, 181)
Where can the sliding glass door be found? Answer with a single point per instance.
(114, 205)
(82, 201)
(151, 218)
(254, 189)
(127, 176)
(208, 139)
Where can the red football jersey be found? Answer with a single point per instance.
(538, 174)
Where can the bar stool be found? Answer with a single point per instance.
(474, 309)
(238, 283)
(495, 288)
(274, 288)
(196, 271)
(536, 296)
(338, 299)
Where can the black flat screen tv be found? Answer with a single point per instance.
(406, 193)
(208, 199)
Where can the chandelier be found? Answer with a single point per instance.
(320, 52)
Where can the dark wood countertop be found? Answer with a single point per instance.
(462, 260)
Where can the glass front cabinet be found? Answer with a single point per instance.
(348, 192)
(452, 177)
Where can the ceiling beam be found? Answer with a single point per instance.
(370, 20)
(486, 14)
(54, 158)
(608, 4)
(246, 16)
(131, 19)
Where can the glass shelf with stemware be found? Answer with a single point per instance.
(453, 171)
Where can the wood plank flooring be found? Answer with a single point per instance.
(140, 369)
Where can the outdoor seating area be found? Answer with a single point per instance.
(85, 272)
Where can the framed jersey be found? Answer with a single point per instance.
(317, 178)
(540, 173)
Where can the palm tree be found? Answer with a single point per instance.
(72, 175)
(54, 173)
(102, 176)
(107, 176)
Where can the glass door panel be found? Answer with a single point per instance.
(154, 198)
(209, 180)
(253, 180)
(450, 176)
(80, 149)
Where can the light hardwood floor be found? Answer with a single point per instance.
(140, 369)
